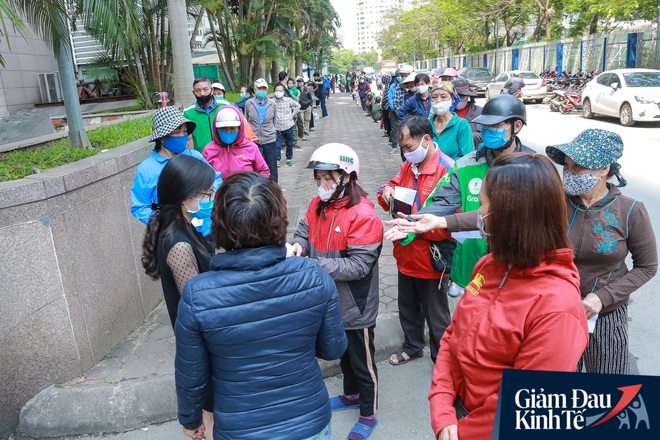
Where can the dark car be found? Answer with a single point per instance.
(478, 76)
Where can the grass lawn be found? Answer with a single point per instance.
(19, 163)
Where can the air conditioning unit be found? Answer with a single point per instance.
(50, 87)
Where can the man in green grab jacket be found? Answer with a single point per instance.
(202, 112)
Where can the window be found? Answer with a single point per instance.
(604, 79)
(642, 79)
(614, 78)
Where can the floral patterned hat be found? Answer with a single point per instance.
(593, 148)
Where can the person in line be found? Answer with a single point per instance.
(363, 91)
(253, 325)
(605, 227)
(467, 108)
(286, 111)
(170, 134)
(385, 107)
(283, 77)
(369, 103)
(230, 151)
(422, 292)
(420, 102)
(376, 112)
(523, 311)
(343, 233)
(247, 92)
(260, 113)
(321, 93)
(305, 99)
(293, 90)
(501, 120)
(515, 84)
(395, 100)
(173, 250)
(219, 92)
(452, 133)
(448, 74)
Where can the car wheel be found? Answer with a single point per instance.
(586, 109)
(625, 115)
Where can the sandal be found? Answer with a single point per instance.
(337, 405)
(362, 430)
(402, 357)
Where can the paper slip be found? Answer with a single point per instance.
(592, 323)
(403, 200)
(462, 236)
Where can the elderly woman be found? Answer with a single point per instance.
(254, 325)
(451, 132)
(419, 103)
(605, 226)
(523, 310)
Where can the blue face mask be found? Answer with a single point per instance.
(176, 144)
(204, 209)
(493, 137)
(227, 138)
(243, 96)
(300, 84)
(261, 94)
(399, 79)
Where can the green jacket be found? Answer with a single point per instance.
(456, 139)
(203, 134)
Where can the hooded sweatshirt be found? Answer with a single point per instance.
(242, 155)
(523, 319)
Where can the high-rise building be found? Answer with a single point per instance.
(369, 16)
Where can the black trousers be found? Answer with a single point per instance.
(421, 300)
(386, 121)
(269, 152)
(359, 369)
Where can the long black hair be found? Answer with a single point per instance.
(183, 177)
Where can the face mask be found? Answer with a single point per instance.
(279, 95)
(578, 184)
(204, 99)
(260, 94)
(417, 156)
(440, 108)
(494, 137)
(300, 84)
(176, 144)
(480, 225)
(423, 89)
(325, 194)
(227, 138)
(243, 96)
(204, 209)
(461, 105)
(399, 79)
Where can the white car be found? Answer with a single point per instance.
(535, 87)
(630, 94)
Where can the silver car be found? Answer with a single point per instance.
(478, 76)
(535, 88)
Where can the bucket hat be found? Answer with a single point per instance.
(594, 148)
(462, 87)
(167, 119)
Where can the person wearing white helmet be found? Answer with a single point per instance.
(343, 233)
(218, 91)
(230, 150)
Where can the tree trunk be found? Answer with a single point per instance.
(181, 55)
(274, 71)
(77, 134)
(228, 73)
(593, 25)
(198, 23)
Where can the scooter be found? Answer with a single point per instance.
(565, 102)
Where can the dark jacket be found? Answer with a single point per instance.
(253, 324)
(415, 106)
(602, 237)
(266, 132)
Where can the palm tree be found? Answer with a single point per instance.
(49, 20)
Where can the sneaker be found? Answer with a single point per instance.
(278, 164)
(394, 150)
(289, 163)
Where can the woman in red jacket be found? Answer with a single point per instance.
(522, 309)
(343, 233)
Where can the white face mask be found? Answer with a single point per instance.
(461, 105)
(417, 156)
(279, 95)
(423, 89)
(440, 108)
(325, 194)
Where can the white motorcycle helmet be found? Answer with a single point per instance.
(335, 157)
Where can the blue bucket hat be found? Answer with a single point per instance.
(593, 149)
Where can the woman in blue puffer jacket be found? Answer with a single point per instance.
(254, 325)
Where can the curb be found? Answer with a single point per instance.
(72, 410)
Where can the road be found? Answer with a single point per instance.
(639, 165)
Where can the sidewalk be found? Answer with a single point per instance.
(133, 386)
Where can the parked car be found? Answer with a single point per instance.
(478, 77)
(535, 87)
(630, 94)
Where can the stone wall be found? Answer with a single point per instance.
(72, 282)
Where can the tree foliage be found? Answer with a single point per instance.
(343, 60)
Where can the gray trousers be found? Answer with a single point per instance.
(607, 352)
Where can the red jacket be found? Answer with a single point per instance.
(530, 319)
(414, 259)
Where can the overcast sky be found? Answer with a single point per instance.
(346, 11)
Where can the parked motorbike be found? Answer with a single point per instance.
(565, 102)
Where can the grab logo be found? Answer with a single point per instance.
(475, 186)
